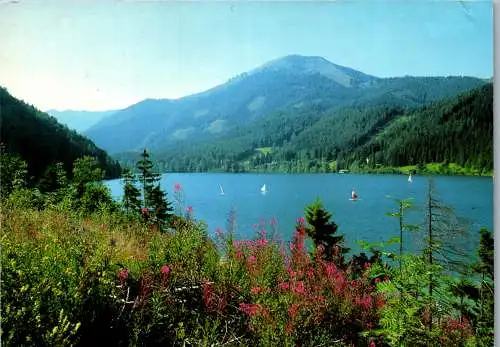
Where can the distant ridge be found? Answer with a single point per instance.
(291, 83)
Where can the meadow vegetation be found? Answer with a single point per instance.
(79, 268)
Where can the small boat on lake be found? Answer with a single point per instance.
(221, 190)
(354, 196)
(263, 189)
(409, 178)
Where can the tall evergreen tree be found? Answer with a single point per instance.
(154, 199)
(131, 195)
(148, 178)
(322, 230)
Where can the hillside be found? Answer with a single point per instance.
(292, 84)
(79, 120)
(41, 141)
(457, 130)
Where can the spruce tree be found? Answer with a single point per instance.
(322, 230)
(131, 195)
(154, 199)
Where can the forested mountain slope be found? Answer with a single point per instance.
(41, 141)
(290, 85)
(458, 130)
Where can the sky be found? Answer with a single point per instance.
(102, 55)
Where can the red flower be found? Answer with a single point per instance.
(250, 309)
(123, 275)
(252, 258)
(256, 290)
(165, 270)
(377, 280)
(300, 220)
(292, 310)
(177, 187)
(144, 211)
(299, 288)
(372, 344)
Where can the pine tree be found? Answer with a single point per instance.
(322, 230)
(154, 199)
(148, 178)
(131, 195)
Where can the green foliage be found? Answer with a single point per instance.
(375, 138)
(41, 141)
(486, 254)
(322, 230)
(86, 170)
(13, 172)
(131, 195)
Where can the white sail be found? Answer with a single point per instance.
(409, 178)
(263, 189)
(221, 190)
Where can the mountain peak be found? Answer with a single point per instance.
(310, 65)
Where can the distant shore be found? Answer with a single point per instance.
(430, 169)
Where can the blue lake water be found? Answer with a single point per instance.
(366, 219)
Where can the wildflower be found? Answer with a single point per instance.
(366, 265)
(292, 310)
(165, 270)
(284, 286)
(300, 220)
(372, 344)
(189, 209)
(252, 258)
(256, 290)
(299, 288)
(218, 232)
(207, 291)
(386, 279)
(177, 187)
(379, 303)
(250, 309)
(144, 211)
(369, 325)
(377, 280)
(123, 275)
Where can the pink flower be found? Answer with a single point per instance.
(284, 286)
(218, 232)
(300, 220)
(165, 270)
(123, 275)
(372, 344)
(292, 310)
(377, 280)
(299, 288)
(177, 187)
(144, 211)
(189, 209)
(250, 309)
(252, 258)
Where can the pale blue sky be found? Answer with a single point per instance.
(107, 55)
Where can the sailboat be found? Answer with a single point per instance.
(354, 196)
(263, 189)
(409, 178)
(221, 190)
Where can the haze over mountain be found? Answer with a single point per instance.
(79, 120)
(294, 82)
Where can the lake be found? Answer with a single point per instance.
(288, 194)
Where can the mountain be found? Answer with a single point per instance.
(79, 120)
(41, 141)
(456, 130)
(292, 84)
